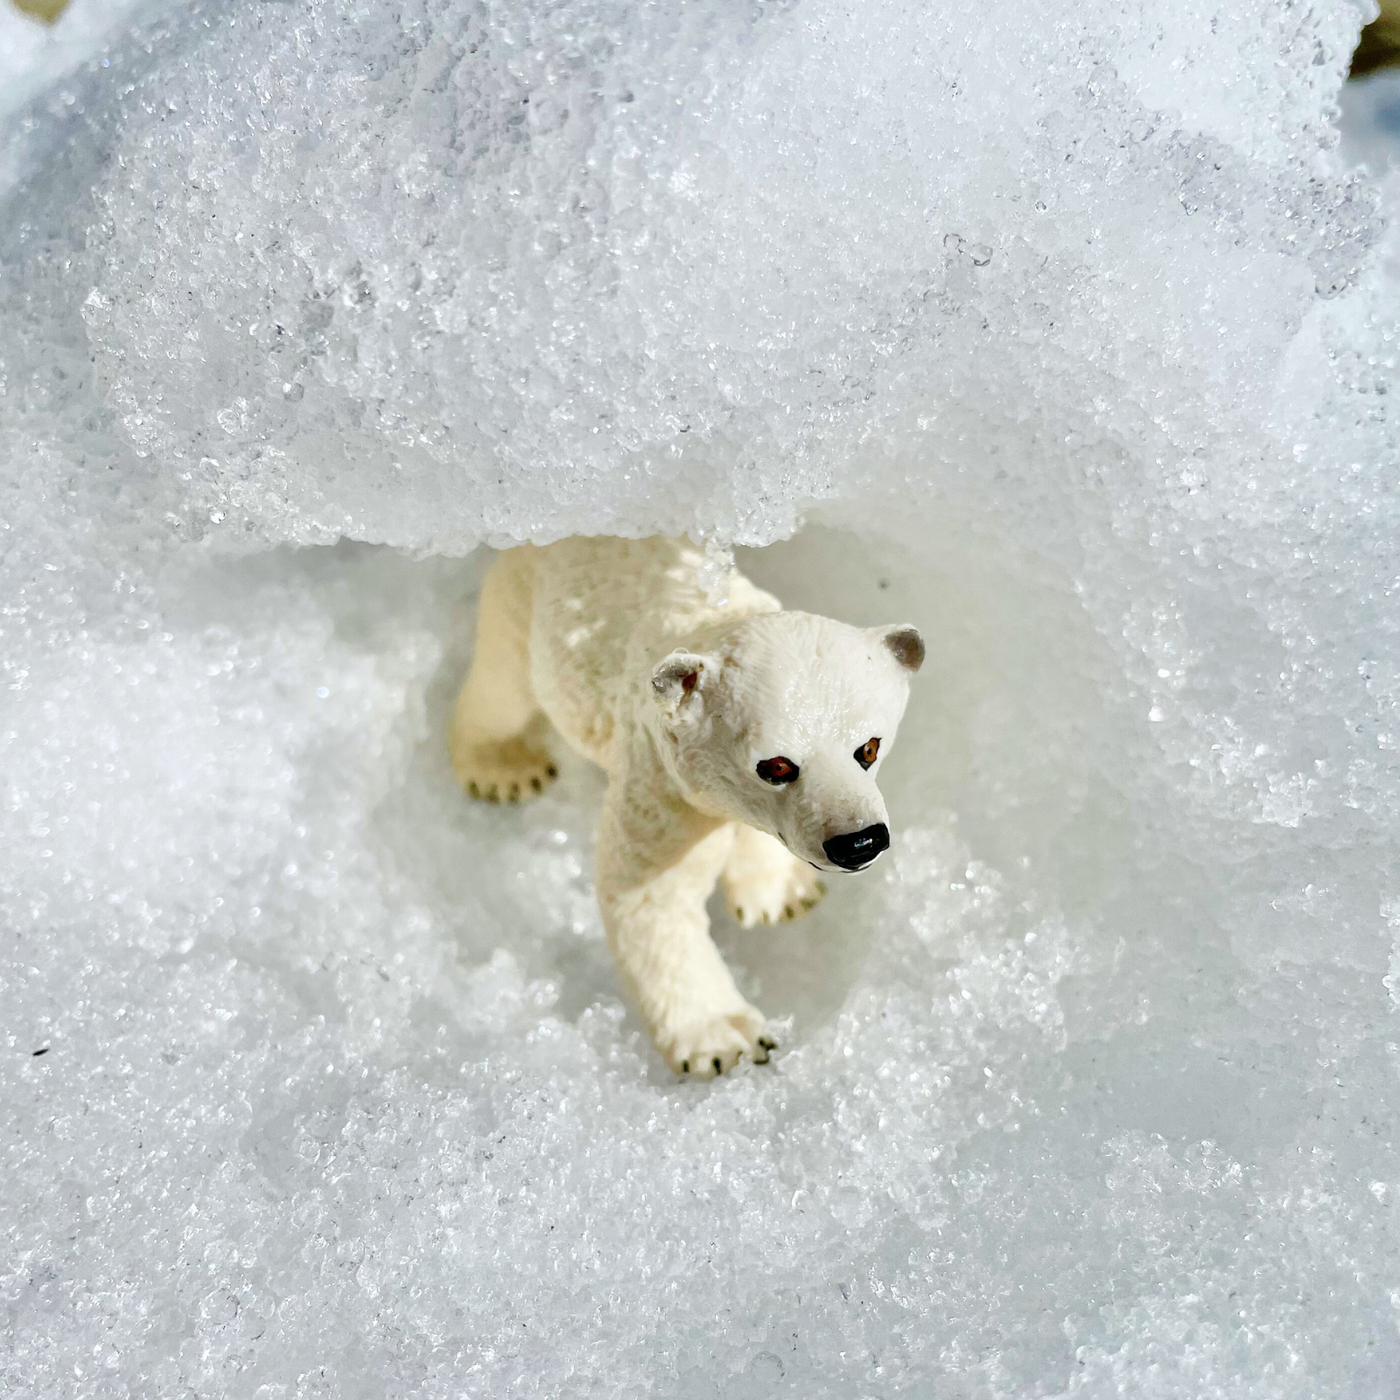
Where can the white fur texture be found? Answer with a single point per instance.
(680, 700)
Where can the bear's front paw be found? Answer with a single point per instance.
(773, 893)
(706, 1047)
(511, 771)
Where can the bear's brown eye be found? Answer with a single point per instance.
(778, 771)
(868, 752)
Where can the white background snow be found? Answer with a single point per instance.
(1068, 334)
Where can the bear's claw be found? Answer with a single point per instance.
(707, 1048)
(780, 896)
(510, 771)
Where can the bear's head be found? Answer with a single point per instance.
(783, 725)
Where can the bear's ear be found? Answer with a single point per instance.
(681, 679)
(905, 644)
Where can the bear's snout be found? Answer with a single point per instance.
(856, 849)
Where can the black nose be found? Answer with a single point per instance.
(857, 848)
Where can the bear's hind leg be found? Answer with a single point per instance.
(764, 883)
(497, 736)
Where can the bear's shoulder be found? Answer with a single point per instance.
(605, 611)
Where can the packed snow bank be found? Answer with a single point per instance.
(1073, 338)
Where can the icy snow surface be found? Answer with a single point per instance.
(1069, 332)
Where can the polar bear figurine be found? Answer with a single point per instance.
(741, 743)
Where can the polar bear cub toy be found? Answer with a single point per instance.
(741, 743)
